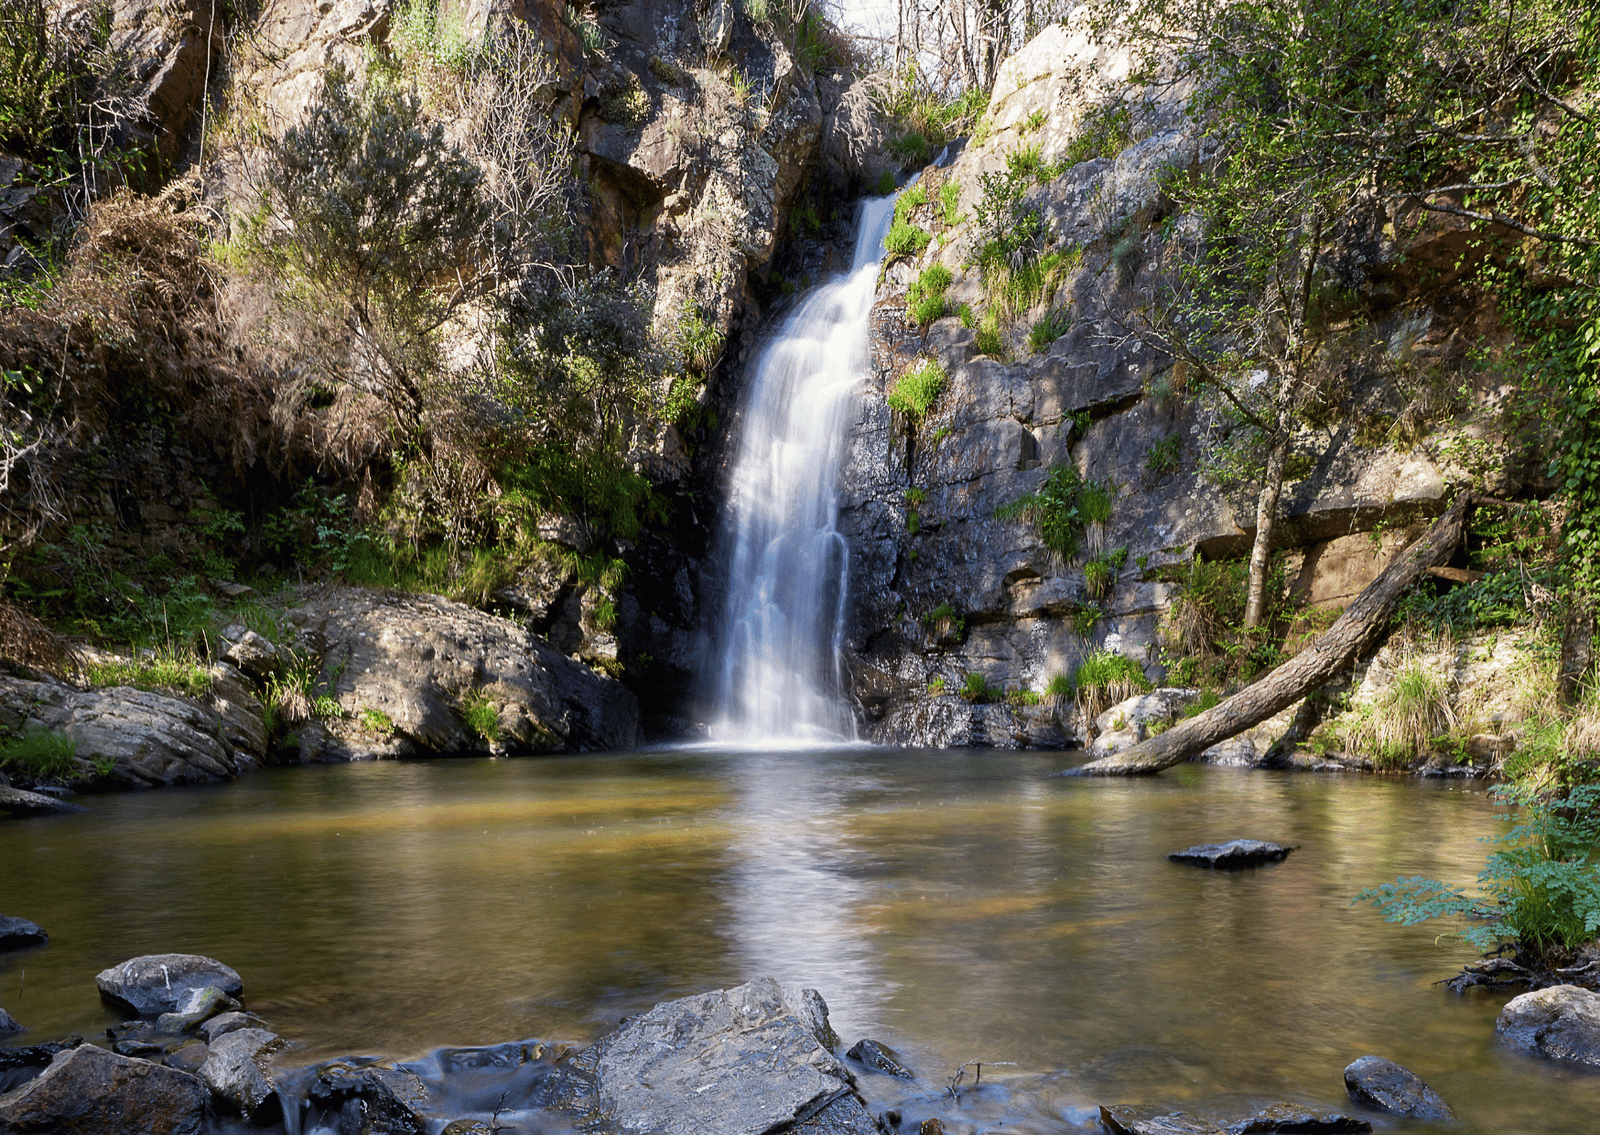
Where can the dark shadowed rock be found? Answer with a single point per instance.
(8, 1024)
(89, 1091)
(737, 1062)
(238, 1068)
(21, 1064)
(225, 1023)
(197, 1006)
(1562, 1023)
(1235, 853)
(1288, 1117)
(190, 1058)
(1121, 1119)
(19, 933)
(1385, 1085)
(370, 1100)
(879, 1058)
(158, 983)
(21, 802)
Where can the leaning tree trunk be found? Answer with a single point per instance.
(1266, 520)
(1353, 633)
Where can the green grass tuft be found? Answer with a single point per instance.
(915, 391)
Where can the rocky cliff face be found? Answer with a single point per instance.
(954, 591)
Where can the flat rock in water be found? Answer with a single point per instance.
(21, 802)
(1234, 853)
(880, 1058)
(1124, 1119)
(238, 1067)
(89, 1091)
(19, 933)
(739, 1061)
(8, 1024)
(159, 983)
(1561, 1023)
(1385, 1085)
(1287, 1117)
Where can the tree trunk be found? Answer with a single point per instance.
(1266, 517)
(1577, 649)
(1354, 632)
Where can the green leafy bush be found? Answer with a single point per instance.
(906, 239)
(915, 391)
(1060, 509)
(925, 298)
(1541, 884)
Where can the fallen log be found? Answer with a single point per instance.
(1352, 634)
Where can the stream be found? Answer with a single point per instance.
(956, 905)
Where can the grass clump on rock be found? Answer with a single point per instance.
(915, 391)
(925, 300)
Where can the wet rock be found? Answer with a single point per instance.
(879, 1058)
(1288, 1117)
(197, 1006)
(812, 1011)
(21, 802)
(1385, 1085)
(189, 1058)
(238, 1068)
(370, 1099)
(19, 933)
(739, 1061)
(22, 1063)
(8, 1024)
(1122, 1119)
(89, 1091)
(1235, 853)
(1561, 1023)
(158, 983)
(224, 1023)
(141, 1039)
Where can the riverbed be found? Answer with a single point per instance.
(957, 905)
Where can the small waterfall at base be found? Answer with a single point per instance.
(779, 671)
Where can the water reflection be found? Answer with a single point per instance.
(956, 905)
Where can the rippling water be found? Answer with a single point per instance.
(956, 905)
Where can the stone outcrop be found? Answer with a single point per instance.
(88, 1089)
(238, 1067)
(419, 661)
(1098, 397)
(1560, 1023)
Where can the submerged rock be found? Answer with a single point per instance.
(1289, 1117)
(238, 1068)
(739, 1061)
(1122, 1119)
(159, 983)
(1561, 1023)
(19, 933)
(20, 1064)
(8, 1024)
(21, 802)
(879, 1058)
(89, 1091)
(1234, 853)
(1385, 1085)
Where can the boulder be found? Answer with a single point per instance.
(1130, 721)
(21, 802)
(1561, 1023)
(190, 1058)
(1289, 1117)
(879, 1058)
(252, 653)
(19, 933)
(739, 1061)
(1122, 1119)
(158, 983)
(1384, 1085)
(1233, 854)
(238, 1068)
(418, 659)
(89, 1091)
(8, 1024)
(370, 1100)
(224, 1023)
(196, 1006)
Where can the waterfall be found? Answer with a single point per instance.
(779, 671)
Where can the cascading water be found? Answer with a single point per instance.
(779, 669)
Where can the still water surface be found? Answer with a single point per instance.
(956, 905)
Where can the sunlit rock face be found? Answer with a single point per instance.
(960, 592)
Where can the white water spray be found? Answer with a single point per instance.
(779, 671)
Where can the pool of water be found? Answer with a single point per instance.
(957, 905)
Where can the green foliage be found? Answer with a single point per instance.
(159, 671)
(1050, 327)
(936, 685)
(479, 714)
(1541, 882)
(1126, 255)
(915, 391)
(1400, 722)
(920, 107)
(1035, 121)
(1008, 233)
(925, 298)
(944, 620)
(1060, 509)
(916, 497)
(911, 148)
(913, 521)
(425, 40)
(34, 74)
(1164, 456)
(1059, 688)
(977, 690)
(949, 204)
(906, 239)
(1100, 573)
(375, 721)
(1204, 635)
(41, 754)
(1024, 697)
(1103, 132)
(626, 103)
(1105, 678)
(886, 183)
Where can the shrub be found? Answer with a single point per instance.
(1126, 256)
(1411, 710)
(943, 620)
(925, 298)
(1060, 508)
(886, 183)
(375, 721)
(1541, 883)
(949, 202)
(1048, 329)
(1059, 688)
(1103, 132)
(1105, 678)
(911, 148)
(915, 391)
(1162, 457)
(988, 340)
(977, 690)
(1100, 573)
